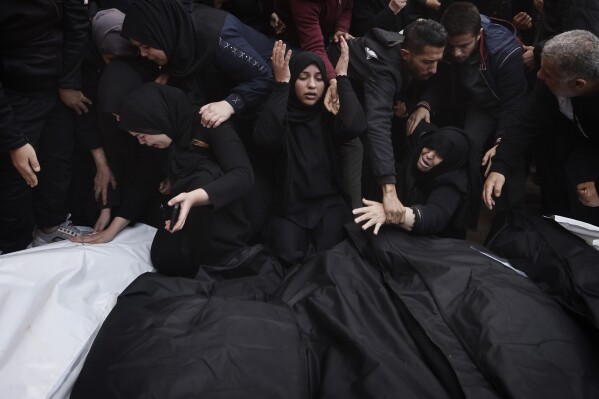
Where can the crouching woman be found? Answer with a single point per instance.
(438, 184)
(207, 171)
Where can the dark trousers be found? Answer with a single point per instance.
(48, 125)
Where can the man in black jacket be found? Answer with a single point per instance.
(562, 110)
(41, 49)
(382, 65)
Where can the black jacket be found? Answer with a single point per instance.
(41, 49)
(382, 80)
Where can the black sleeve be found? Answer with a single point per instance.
(142, 175)
(540, 109)
(379, 93)
(11, 137)
(434, 216)
(87, 128)
(270, 129)
(75, 27)
(350, 122)
(368, 14)
(512, 89)
(230, 154)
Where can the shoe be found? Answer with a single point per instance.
(64, 232)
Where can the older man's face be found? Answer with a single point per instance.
(422, 66)
(550, 74)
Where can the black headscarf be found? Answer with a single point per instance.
(118, 79)
(159, 109)
(296, 111)
(187, 32)
(458, 169)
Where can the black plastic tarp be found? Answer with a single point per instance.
(392, 316)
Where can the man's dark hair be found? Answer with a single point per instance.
(423, 32)
(461, 18)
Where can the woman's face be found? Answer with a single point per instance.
(153, 140)
(428, 159)
(309, 85)
(153, 54)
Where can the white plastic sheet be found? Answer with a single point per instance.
(586, 231)
(53, 300)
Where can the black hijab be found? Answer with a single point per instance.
(118, 79)
(159, 109)
(296, 111)
(187, 32)
(458, 169)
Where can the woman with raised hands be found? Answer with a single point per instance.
(301, 136)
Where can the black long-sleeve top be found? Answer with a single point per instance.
(542, 114)
(41, 49)
(228, 152)
(224, 158)
(368, 14)
(435, 215)
(304, 164)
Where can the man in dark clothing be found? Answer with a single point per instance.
(563, 108)
(382, 64)
(41, 48)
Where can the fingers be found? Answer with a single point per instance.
(488, 168)
(104, 193)
(377, 228)
(29, 175)
(487, 196)
(181, 220)
(175, 200)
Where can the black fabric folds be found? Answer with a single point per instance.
(562, 265)
(387, 316)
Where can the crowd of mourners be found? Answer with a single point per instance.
(231, 123)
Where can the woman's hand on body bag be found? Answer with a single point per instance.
(107, 235)
(213, 114)
(186, 201)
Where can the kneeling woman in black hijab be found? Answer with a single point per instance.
(300, 134)
(439, 185)
(208, 171)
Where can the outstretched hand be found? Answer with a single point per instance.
(280, 62)
(373, 213)
(343, 62)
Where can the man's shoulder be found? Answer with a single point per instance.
(500, 36)
(385, 37)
